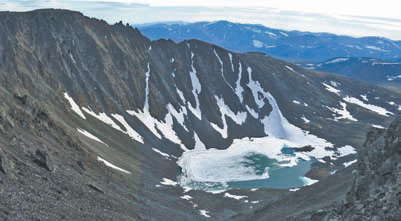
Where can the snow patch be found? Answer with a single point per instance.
(308, 181)
(332, 89)
(371, 107)
(204, 213)
(225, 110)
(130, 131)
(112, 165)
(392, 78)
(239, 89)
(375, 48)
(199, 145)
(228, 195)
(347, 164)
(257, 44)
(91, 136)
(196, 89)
(290, 68)
(345, 151)
(363, 96)
(74, 106)
(186, 197)
(222, 70)
(378, 126)
(337, 60)
(168, 182)
(305, 120)
(154, 125)
(161, 153)
(344, 114)
(231, 61)
(103, 117)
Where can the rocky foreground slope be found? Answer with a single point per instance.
(93, 118)
(376, 189)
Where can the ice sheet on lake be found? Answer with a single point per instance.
(222, 166)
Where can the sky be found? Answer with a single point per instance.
(346, 17)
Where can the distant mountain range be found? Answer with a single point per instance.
(368, 69)
(288, 45)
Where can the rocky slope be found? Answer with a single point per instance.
(376, 187)
(93, 118)
(289, 45)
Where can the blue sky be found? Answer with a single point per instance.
(347, 17)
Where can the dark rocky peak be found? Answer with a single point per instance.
(375, 193)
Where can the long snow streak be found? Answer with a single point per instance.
(154, 125)
(371, 107)
(89, 135)
(112, 165)
(222, 70)
(238, 89)
(196, 89)
(104, 118)
(144, 115)
(255, 88)
(231, 61)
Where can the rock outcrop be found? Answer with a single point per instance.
(376, 190)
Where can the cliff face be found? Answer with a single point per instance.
(375, 193)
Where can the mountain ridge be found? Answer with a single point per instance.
(288, 45)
